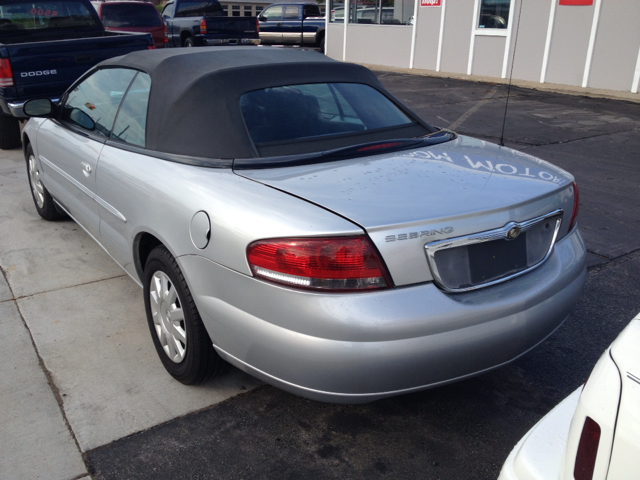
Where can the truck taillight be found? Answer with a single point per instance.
(203, 26)
(166, 35)
(257, 25)
(329, 264)
(6, 75)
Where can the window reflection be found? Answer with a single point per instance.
(494, 14)
(98, 98)
(131, 123)
(377, 12)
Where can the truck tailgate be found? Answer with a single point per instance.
(47, 68)
(231, 25)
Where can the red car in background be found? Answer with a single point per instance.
(132, 17)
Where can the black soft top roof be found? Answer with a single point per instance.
(194, 104)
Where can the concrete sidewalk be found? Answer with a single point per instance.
(79, 367)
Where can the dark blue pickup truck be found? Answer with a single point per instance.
(292, 23)
(44, 47)
(192, 23)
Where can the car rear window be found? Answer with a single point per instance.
(297, 112)
(119, 15)
(45, 15)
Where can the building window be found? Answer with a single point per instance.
(494, 13)
(379, 12)
(247, 10)
(337, 11)
(235, 11)
(258, 9)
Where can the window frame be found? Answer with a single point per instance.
(379, 10)
(119, 141)
(274, 8)
(94, 135)
(491, 32)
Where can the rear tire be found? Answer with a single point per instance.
(180, 338)
(9, 132)
(322, 45)
(42, 199)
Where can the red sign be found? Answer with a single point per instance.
(429, 3)
(576, 2)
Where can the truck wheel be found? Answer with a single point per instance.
(189, 42)
(322, 45)
(9, 132)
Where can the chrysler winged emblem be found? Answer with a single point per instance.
(513, 233)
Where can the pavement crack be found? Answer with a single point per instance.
(52, 385)
(612, 262)
(21, 297)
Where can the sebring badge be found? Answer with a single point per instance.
(424, 233)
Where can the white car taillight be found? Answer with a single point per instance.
(330, 263)
(576, 204)
(587, 450)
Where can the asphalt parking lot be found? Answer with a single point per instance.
(83, 393)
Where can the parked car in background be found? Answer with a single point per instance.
(284, 212)
(193, 23)
(46, 46)
(132, 16)
(594, 433)
(292, 24)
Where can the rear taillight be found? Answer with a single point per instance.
(330, 263)
(203, 26)
(576, 204)
(587, 450)
(166, 35)
(6, 76)
(257, 25)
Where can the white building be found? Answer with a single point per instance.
(585, 43)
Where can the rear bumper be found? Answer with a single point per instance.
(356, 348)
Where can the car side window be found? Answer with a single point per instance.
(168, 10)
(92, 105)
(291, 12)
(273, 13)
(131, 123)
(311, 11)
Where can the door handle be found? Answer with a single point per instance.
(86, 169)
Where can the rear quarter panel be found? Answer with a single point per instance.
(161, 197)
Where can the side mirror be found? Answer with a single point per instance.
(261, 18)
(38, 107)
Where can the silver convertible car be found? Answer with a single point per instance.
(286, 214)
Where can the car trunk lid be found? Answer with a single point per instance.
(405, 200)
